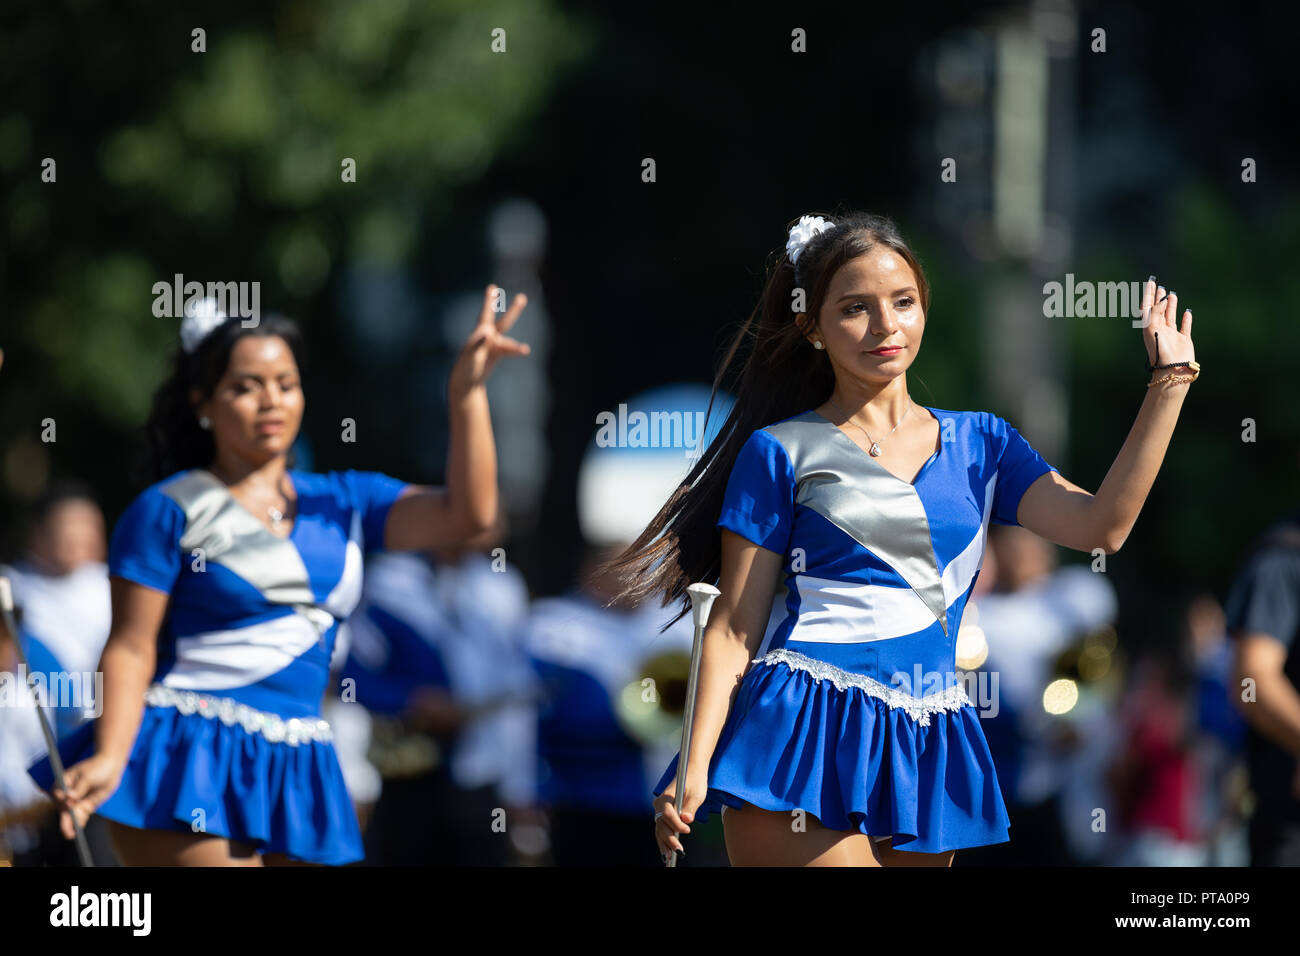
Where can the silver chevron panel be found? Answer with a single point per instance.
(230, 535)
(865, 500)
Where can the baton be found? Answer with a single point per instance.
(702, 597)
(56, 763)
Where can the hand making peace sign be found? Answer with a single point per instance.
(487, 344)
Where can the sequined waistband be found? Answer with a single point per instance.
(918, 708)
(276, 729)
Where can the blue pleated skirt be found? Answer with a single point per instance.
(844, 756)
(193, 773)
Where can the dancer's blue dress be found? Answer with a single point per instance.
(853, 710)
(232, 742)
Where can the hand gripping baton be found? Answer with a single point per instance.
(7, 608)
(702, 598)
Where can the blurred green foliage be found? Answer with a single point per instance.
(1232, 266)
(226, 164)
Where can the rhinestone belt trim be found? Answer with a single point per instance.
(918, 708)
(277, 730)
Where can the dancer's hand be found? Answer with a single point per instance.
(90, 783)
(668, 822)
(1175, 344)
(487, 344)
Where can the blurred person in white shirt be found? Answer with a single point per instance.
(60, 588)
(436, 655)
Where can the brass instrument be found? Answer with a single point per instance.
(650, 707)
(1092, 664)
(397, 751)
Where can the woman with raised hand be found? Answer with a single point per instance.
(230, 576)
(832, 726)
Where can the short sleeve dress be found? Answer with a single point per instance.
(232, 742)
(853, 709)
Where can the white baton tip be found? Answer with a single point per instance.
(6, 595)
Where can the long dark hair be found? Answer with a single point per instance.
(175, 439)
(782, 375)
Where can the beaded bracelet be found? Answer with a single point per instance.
(1193, 365)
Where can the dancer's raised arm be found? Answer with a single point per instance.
(427, 517)
(1062, 512)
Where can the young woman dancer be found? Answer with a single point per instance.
(230, 575)
(853, 525)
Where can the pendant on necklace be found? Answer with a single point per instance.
(875, 449)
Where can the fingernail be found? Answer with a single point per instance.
(1151, 278)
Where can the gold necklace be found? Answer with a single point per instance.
(875, 445)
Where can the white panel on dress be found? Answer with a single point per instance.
(847, 612)
(219, 660)
(959, 573)
(346, 595)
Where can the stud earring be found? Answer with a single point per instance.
(205, 422)
(818, 344)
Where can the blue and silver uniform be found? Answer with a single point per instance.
(853, 709)
(231, 741)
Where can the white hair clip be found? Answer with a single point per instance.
(201, 317)
(801, 234)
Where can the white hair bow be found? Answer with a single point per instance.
(801, 234)
(201, 317)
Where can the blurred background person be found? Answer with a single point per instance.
(26, 813)
(436, 657)
(1220, 734)
(1031, 612)
(1155, 777)
(60, 586)
(61, 580)
(1263, 617)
